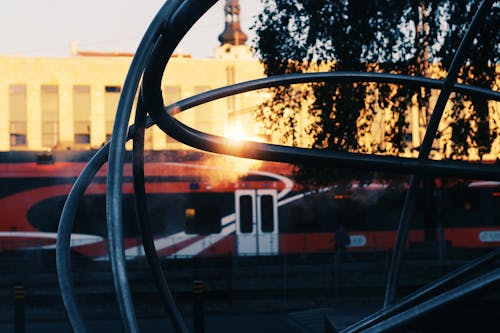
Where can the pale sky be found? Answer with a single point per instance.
(47, 27)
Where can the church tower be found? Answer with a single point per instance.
(232, 39)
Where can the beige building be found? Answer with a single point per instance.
(70, 103)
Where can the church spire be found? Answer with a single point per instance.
(232, 30)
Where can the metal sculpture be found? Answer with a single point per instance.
(171, 23)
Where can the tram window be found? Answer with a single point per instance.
(496, 206)
(203, 220)
(465, 200)
(246, 215)
(473, 201)
(267, 213)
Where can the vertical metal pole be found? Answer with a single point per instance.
(19, 318)
(408, 212)
(198, 308)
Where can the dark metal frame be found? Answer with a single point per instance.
(171, 23)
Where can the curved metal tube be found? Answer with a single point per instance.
(170, 24)
(217, 144)
(421, 294)
(68, 215)
(69, 211)
(63, 260)
(264, 151)
(144, 220)
(173, 20)
(71, 205)
(100, 158)
(297, 78)
(330, 77)
(487, 280)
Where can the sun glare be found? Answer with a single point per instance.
(236, 134)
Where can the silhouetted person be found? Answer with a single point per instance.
(341, 240)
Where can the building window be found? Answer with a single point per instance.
(50, 115)
(81, 114)
(82, 139)
(17, 140)
(172, 94)
(203, 220)
(203, 115)
(409, 138)
(111, 98)
(17, 111)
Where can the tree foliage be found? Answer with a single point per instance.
(404, 37)
(472, 126)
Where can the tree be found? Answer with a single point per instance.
(391, 36)
(475, 123)
(294, 36)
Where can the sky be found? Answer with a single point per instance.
(47, 27)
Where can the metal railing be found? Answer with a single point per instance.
(171, 23)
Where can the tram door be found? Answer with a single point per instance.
(256, 222)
